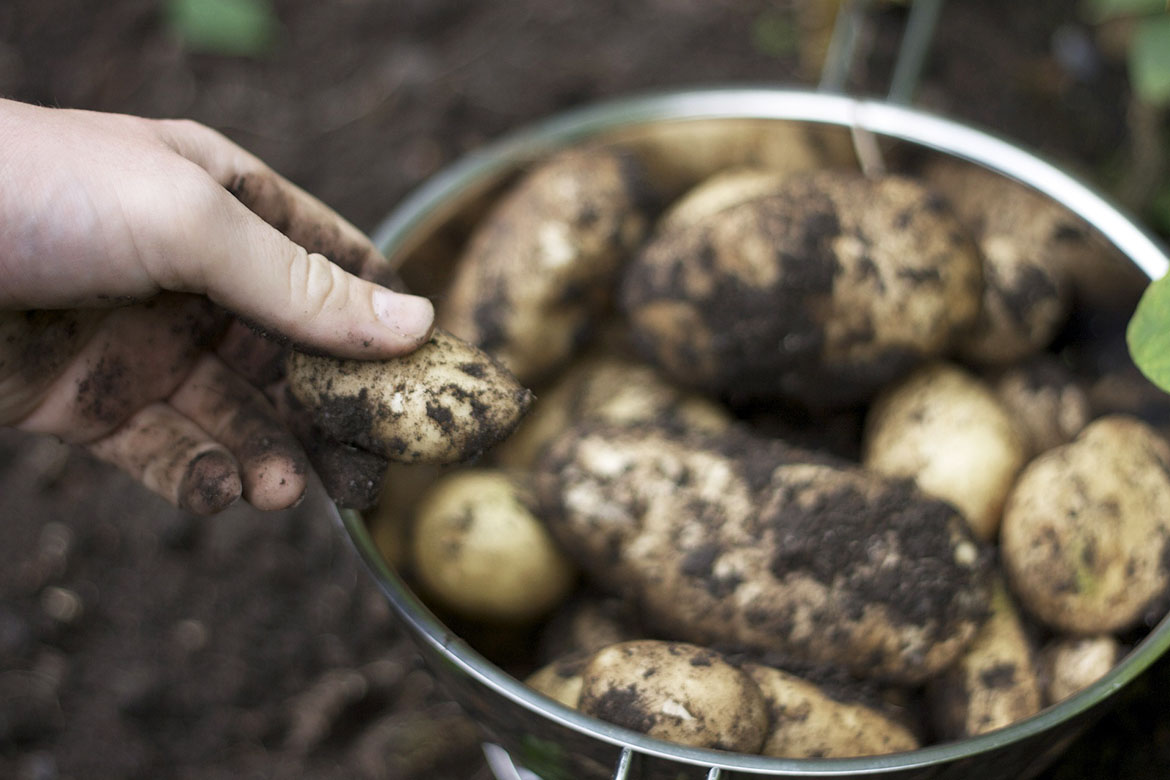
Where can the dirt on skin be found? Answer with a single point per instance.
(139, 641)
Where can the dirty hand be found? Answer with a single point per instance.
(120, 240)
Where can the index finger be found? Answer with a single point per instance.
(301, 217)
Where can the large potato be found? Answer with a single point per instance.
(820, 293)
(541, 267)
(445, 402)
(945, 429)
(676, 692)
(995, 682)
(1087, 526)
(806, 722)
(720, 192)
(733, 539)
(479, 548)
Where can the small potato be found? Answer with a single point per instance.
(608, 390)
(539, 270)
(587, 623)
(1026, 292)
(1047, 402)
(561, 679)
(446, 402)
(808, 723)
(995, 682)
(676, 692)
(1086, 528)
(1042, 239)
(819, 293)
(680, 155)
(479, 548)
(946, 430)
(1068, 665)
(720, 192)
(727, 538)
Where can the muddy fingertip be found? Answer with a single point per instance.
(212, 483)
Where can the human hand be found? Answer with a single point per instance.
(124, 245)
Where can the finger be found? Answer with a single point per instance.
(287, 282)
(352, 477)
(253, 355)
(35, 348)
(295, 213)
(137, 355)
(272, 465)
(175, 458)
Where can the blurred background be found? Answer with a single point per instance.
(136, 641)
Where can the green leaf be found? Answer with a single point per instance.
(1149, 59)
(234, 27)
(1148, 334)
(1101, 10)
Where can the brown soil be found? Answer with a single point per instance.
(139, 641)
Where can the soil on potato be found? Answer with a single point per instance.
(137, 641)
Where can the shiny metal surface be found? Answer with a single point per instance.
(560, 744)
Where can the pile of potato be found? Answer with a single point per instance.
(805, 476)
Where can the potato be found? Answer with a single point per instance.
(819, 293)
(728, 538)
(1086, 527)
(1047, 402)
(612, 390)
(561, 679)
(680, 155)
(479, 548)
(541, 267)
(1054, 245)
(808, 723)
(995, 682)
(445, 402)
(587, 623)
(1026, 292)
(1068, 665)
(946, 430)
(677, 692)
(720, 192)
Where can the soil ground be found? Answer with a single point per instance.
(136, 641)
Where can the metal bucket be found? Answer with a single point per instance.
(557, 743)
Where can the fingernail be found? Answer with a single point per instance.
(410, 315)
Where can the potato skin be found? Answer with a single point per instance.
(946, 430)
(1068, 665)
(819, 293)
(540, 268)
(994, 683)
(808, 723)
(732, 539)
(1086, 530)
(1048, 403)
(1026, 290)
(444, 403)
(617, 391)
(479, 548)
(561, 680)
(677, 692)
